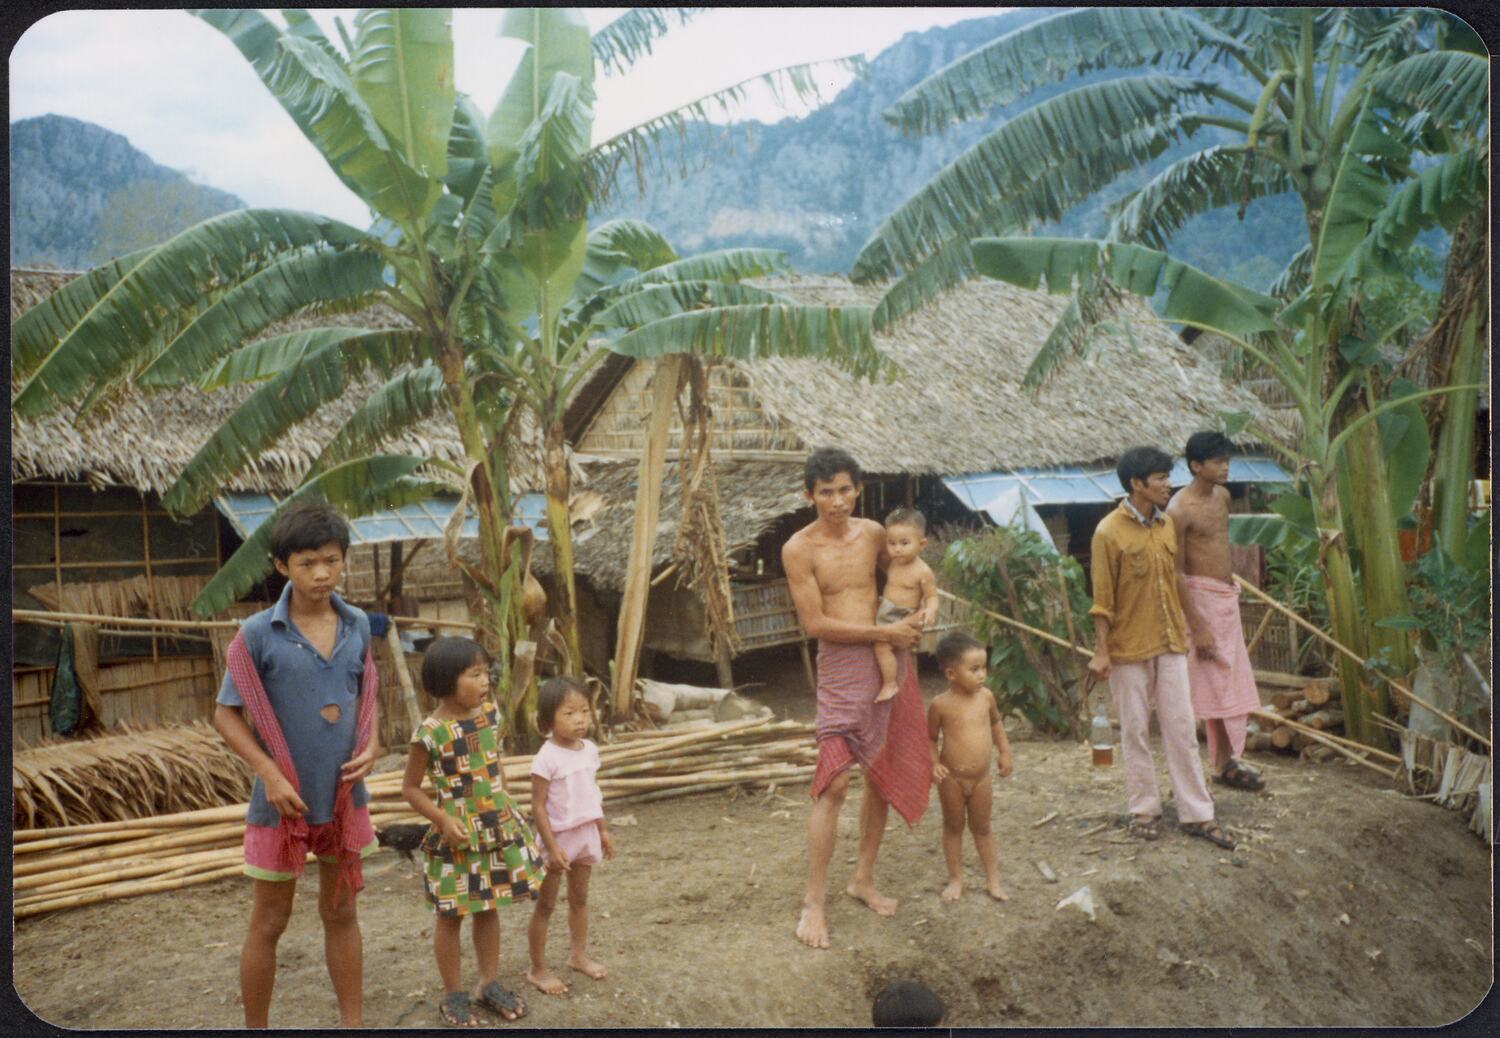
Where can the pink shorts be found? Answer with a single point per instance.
(263, 846)
(580, 844)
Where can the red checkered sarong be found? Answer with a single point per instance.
(888, 740)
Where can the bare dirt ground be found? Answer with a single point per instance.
(1347, 904)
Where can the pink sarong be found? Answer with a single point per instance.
(1224, 687)
(889, 740)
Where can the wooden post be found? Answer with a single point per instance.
(632, 624)
(807, 667)
(723, 665)
(403, 675)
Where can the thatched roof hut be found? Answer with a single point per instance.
(957, 407)
(144, 440)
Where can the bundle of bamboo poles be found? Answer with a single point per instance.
(70, 866)
(133, 772)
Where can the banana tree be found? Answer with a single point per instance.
(480, 243)
(1373, 212)
(1326, 85)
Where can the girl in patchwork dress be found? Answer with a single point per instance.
(479, 851)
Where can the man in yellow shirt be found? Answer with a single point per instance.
(1140, 646)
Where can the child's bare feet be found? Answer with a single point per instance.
(812, 928)
(952, 891)
(877, 902)
(545, 981)
(993, 888)
(587, 966)
(887, 691)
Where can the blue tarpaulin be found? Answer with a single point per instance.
(422, 520)
(1078, 485)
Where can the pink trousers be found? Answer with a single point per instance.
(1161, 681)
(1226, 739)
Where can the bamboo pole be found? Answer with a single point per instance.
(1037, 632)
(403, 678)
(1260, 629)
(427, 621)
(78, 900)
(35, 846)
(1392, 682)
(630, 631)
(124, 621)
(122, 850)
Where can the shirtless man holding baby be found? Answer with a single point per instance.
(830, 568)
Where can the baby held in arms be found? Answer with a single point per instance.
(909, 586)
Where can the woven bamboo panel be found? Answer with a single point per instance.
(1278, 645)
(764, 615)
(740, 424)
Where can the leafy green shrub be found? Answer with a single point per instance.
(1019, 574)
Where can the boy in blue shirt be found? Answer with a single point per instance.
(303, 672)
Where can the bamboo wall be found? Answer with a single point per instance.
(425, 576)
(140, 691)
(741, 426)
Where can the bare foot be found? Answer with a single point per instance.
(545, 981)
(812, 928)
(993, 888)
(878, 902)
(952, 891)
(587, 966)
(887, 691)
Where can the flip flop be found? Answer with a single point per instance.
(1237, 775)
(454, 1009)
(507, 1004)
(1210, 831)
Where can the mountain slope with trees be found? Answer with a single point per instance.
(818, 186)
(81, 194)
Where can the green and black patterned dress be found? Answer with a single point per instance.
(501, 861)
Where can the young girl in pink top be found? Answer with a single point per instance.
(568, 810)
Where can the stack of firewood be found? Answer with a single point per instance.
(67, 866)
(1315, 705)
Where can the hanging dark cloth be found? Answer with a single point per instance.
(75, 703)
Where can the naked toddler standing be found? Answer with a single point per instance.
(909, 586)
(968, 722)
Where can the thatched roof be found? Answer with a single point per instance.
(958, 406)
(753, 497)
(143, 440)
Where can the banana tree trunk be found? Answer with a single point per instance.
(560, 535)
(1343, 607)
(485, 491)
(1382, 574)
(1455, 451)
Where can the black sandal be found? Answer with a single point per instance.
(508, 1004)
(1237, 775)
(1150, 829)
(1210, 831)
(454, 1009)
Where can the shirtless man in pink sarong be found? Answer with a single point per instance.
(1219, 672)
(830, 568)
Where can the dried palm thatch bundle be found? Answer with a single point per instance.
(131, 772)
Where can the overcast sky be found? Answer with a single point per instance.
(180, 92)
